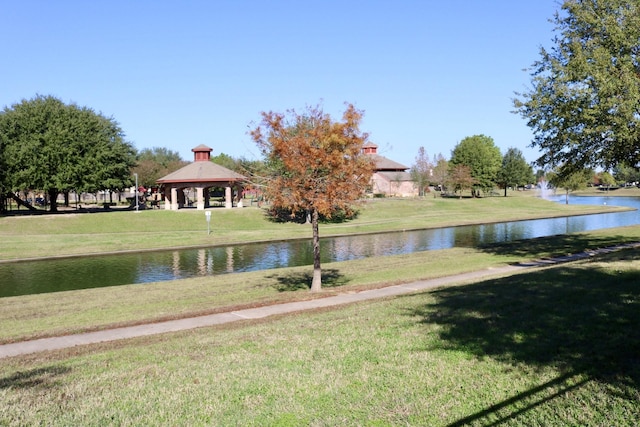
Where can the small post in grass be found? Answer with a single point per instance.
(136, 191)
(208, 215)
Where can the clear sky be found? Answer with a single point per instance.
(177, 74)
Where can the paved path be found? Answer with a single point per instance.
(56, 343)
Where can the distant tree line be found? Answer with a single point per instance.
(476, 165)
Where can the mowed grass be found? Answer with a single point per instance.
(552, 346)
(34, 236)
(556, 346)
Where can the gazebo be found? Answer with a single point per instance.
(202, 174)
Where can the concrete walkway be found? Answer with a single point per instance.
(57, 343)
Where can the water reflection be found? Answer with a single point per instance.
(112, 270)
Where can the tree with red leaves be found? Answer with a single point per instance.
(316, 166)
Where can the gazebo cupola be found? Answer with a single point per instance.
(201, 153)
(370, 148)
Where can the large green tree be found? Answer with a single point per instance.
(480, 154)
(584, 103)
(55, 147)
(317, 165)
(515, 170)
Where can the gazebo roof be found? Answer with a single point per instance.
(202, 170)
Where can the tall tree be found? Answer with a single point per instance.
(483, 158)
(317, 165)
(584, 104)
(421, 171)
(55, 147)
(515, 170)
(4, 178)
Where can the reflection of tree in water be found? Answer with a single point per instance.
(581, 320)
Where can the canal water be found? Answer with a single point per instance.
(23, 278)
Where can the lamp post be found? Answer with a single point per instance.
(136, 200)
(208, 215)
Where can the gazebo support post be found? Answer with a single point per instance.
(228, 198)
(174, 199)
(200, 198)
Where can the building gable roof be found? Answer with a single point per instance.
(384, 164)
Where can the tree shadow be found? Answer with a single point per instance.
(35, 378)
(556, 245)
(290, 282)
(580, 319)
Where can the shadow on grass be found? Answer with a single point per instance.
(331, 278)
(35, 378)
(581, 319)
(556, 245)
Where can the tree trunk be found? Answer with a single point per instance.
(53, 197)
(316, 283)
(566, 198)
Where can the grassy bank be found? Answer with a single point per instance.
(26, 236)
(557, 346)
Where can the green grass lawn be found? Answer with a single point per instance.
(558, 346)
(552, 346)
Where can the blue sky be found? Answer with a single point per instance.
(177, 74)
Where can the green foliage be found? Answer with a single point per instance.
(480, 154)
(626, 174)
(570, 180)
(584, 105)
(440, 171)
(606, 179)
(55, 147)
(226, 161)
(515, 170)
(154, 163)
(161, 155)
